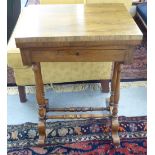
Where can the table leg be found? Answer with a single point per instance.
(42, 102)
(114, 98)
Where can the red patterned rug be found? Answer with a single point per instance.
(81, 137)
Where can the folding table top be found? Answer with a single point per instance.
(75, 23)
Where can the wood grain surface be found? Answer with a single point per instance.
(75, 23)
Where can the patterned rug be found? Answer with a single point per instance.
(80, 137)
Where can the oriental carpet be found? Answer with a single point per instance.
(80, 137)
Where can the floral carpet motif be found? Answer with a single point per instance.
(138, 68)
(87, 137)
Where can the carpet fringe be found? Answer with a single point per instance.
(74, 87)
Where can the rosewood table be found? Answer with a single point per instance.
(77, 33)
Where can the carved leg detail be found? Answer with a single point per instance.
(117, 90)
(39, 83)
(110, 101)
(114, 98)
(42, 102)
(113, 83)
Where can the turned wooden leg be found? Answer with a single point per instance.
(42, 102)
(117, 90)
(110, 101)
(114, 98)
(105, 86)
(22, 94)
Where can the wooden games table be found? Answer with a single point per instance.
(77, 33)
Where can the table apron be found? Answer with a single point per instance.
(98, 55)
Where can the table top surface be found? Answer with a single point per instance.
(76, 22)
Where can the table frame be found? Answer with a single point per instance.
(113, 51)
(117, 53)
(112, 48)
(43, 104)
(112, 106)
